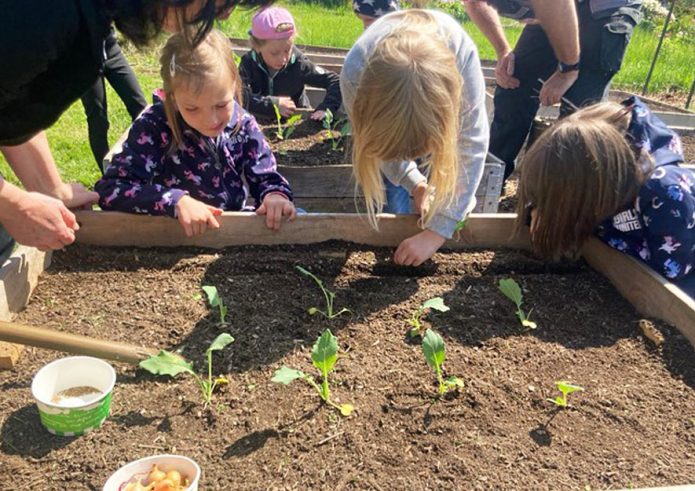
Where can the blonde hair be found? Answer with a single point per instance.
(578, 173)
(407, 105)
(192, 66)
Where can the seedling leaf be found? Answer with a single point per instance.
(567, 388)
(529, 324)
(220, 342)
(346, 409)
(511, 290)
(454, 383)
(286, 375)
(325, 352)
(166, 363)
(436, 303)
(213, 295)
(312, 310)
(433, 349)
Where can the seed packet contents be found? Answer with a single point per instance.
(76, 396)
(158, 480)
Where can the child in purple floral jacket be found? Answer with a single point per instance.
(190, 155)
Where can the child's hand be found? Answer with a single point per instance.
(417, 249)
(318, 115)
(195, 216)
(274, 207)
(286, 106)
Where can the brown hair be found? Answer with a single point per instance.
(578, 173)
(185, 65)
(407, 105)
(258, 43)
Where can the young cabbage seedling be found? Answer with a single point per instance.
(323, 356)
(327, 294)
(216, 300)
(167, 363)
(341, 125)
(512, 291)
(566, 388)
(435, 353)
(284, 131)
(436, 303)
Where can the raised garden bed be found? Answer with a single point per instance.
(629, 428)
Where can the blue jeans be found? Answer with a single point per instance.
(397, 199)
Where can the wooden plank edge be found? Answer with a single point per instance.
(19, 276)
(243, 228)
(650, 293)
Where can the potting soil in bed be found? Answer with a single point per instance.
(634, 425)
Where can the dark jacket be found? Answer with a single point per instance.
(659, 226)
(50, 54)
(261, 90)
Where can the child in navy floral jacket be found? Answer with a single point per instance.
(188, 156)
(612, 170)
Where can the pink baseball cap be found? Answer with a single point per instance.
(272, 23)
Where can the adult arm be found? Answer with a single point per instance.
(559, 21)
(33, 164)
(487, 20)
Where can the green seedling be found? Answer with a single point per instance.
(167, 363)
(566, 388)
(512, 291)
(460, 224)
(435, 353)
(324, 354)
(284, 131)
(332, 125)
(327, 294)
(215, 300)
(436, 303)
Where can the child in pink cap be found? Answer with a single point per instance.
(275, 72)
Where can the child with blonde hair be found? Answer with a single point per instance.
(275, 71)
(413, 87)
(188, 155)
(612, 170)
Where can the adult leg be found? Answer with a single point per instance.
(603, 43)
(122, 78)
(95, 107)
(515, 108)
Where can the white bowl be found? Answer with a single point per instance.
(141, 468)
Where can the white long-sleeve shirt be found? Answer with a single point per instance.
(474, 130)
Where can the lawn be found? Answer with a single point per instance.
(338, 27)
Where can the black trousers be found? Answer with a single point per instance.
(121, 77)
(603, 41)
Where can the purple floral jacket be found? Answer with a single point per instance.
(146, 178)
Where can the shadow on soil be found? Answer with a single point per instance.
(20, 426)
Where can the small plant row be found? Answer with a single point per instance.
(324, 353)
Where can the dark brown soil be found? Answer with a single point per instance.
(633, 426)
(309, 145)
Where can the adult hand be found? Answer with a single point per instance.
(286, 106)
(318, 115)
(195, 216)
(37, 220)
(417, 249)
(555, 87)
(420, 195)
(274, 207)
(504, 71)
(75, 195)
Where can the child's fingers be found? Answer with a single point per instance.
(215, 211)
(212, 221)
(291, 211)
(275, 217)
(261, 210)
(186, 224)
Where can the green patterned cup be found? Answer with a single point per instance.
(74, 394)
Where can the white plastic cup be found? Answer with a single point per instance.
(139, 469)
(76, 417)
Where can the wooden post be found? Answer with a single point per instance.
(18, 278)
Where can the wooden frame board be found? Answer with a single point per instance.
(18, 278)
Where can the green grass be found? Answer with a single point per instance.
(338, 27)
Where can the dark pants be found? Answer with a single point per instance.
(121, 77)
(602, 41)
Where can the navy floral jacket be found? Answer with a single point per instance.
(659, 226)
(145, 178)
